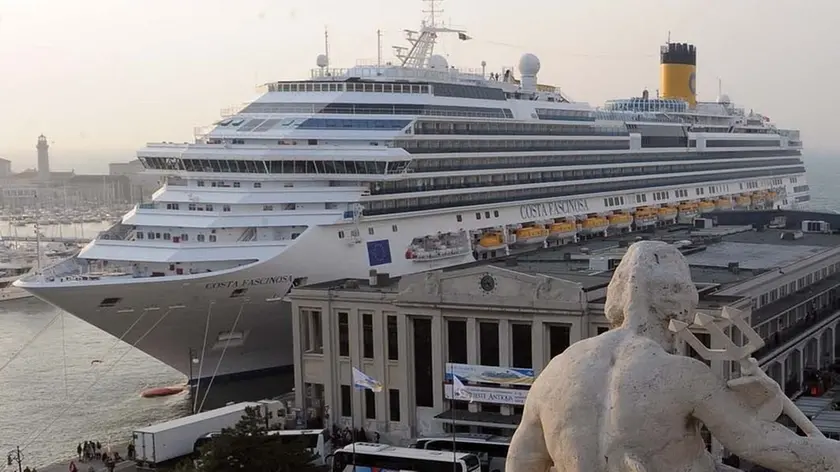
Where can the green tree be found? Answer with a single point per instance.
(248, 447)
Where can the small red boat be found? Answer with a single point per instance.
(162, 391)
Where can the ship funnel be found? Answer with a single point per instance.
(678, 66)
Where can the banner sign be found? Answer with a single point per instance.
(500, 396)
(490, 374)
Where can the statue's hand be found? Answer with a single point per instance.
(758, 391)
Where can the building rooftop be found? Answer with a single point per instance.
(719, 257)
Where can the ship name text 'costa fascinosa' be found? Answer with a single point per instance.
(401, 167)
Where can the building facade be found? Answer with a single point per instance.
(495, 328)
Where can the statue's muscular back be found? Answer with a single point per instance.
(618, 391)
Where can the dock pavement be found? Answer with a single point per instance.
(98, 466)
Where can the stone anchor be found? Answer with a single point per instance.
(754, 386)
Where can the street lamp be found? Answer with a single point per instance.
(15, 456)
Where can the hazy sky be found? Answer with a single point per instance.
(102, 77)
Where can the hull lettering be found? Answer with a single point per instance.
(278, 279)
(552, 209)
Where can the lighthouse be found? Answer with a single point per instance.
(43, 158)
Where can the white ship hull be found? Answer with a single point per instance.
(168, 319)
(263, 334)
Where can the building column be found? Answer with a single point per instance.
(355, 331)
(297, 352)
(783, 373)
(472, 350)
(438, 365)
(818, 337)
(504, 343)
(537, 345)
(332, 391)
(380, 355)
(472, 340)
(408, 415)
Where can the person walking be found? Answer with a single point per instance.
(73, 467)
(79, 451)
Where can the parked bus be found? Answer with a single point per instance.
(316, 441)
(491, 450)
(384, 458)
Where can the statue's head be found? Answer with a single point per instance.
(651, 285)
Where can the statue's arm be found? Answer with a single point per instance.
(528, 451)
(742, 431)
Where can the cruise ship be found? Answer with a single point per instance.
(401, 167)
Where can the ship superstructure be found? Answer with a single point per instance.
(401, 168)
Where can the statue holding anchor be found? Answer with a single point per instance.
(625, 401)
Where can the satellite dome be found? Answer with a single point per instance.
(438, 62)
(322, 60)
(724, 99)
(529, 64)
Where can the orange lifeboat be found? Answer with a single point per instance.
(645, 216)
(491, 241)
(705, 206)
(594, 225)
(743, 201)
(687, 212)
(562, 230)
(530, 235)
(667, 213)
(620, 220)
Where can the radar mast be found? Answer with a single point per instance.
(423, 41)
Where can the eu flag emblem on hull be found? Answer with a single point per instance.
(379, 252)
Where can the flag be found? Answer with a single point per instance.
(459, 390)
(363, 381)
(463, 36)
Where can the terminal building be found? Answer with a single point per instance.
(495, 326)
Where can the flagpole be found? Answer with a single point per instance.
(353, 415)
(452, 407)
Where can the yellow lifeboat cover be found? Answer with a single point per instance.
(490, 240)
(594, 222)
(563, 227)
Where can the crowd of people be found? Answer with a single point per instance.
(90, 451)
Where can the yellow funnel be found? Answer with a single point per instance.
(678, 65)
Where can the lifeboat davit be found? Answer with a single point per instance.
(162, 391)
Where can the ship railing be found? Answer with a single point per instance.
(200, 133)
(231, 111)
(66, 268)
(396, 72)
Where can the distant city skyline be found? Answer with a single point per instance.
(101, 86)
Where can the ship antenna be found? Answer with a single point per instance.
(327, 44)
(423, 42)
(669, 37)
(720, 87)
(433, 11)
(379, 48)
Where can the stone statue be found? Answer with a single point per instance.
(624, 401)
